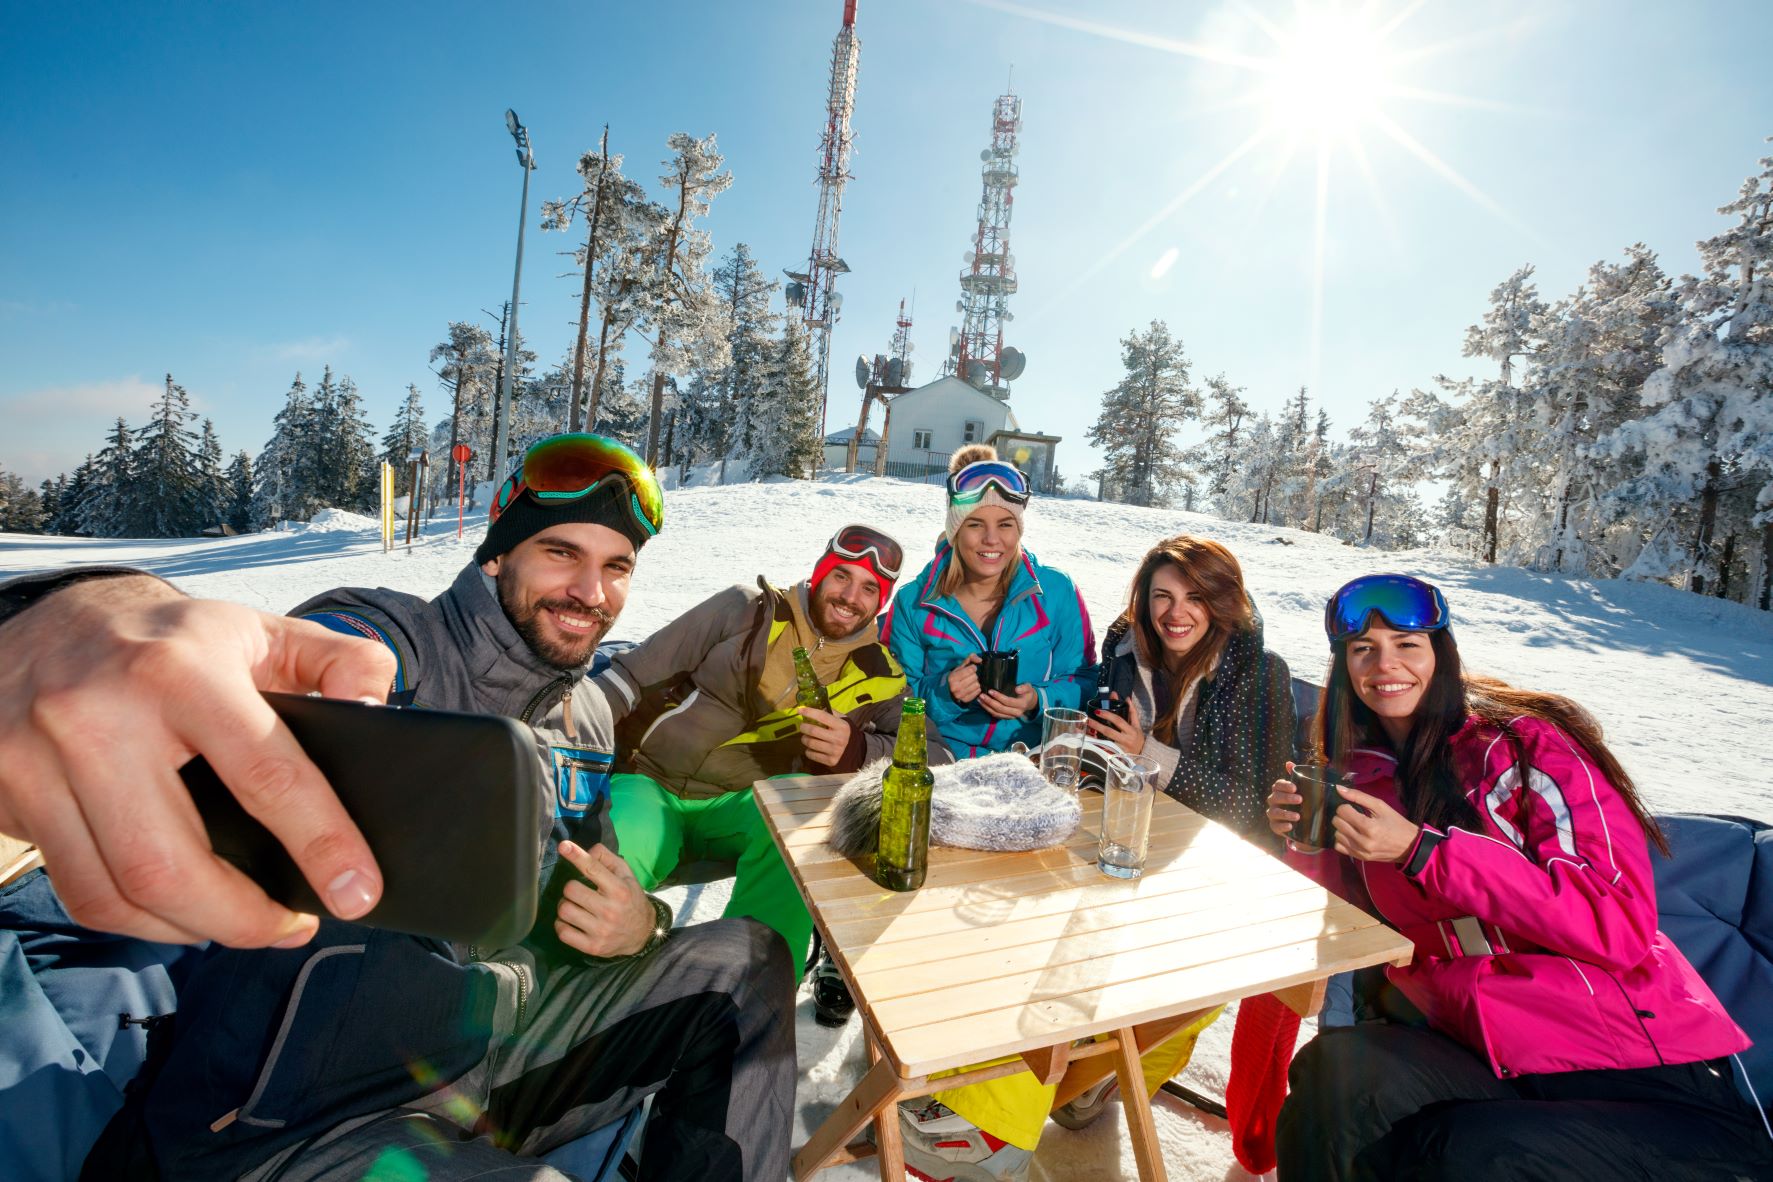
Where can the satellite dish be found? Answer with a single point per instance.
(895, 370)
(1008, 315)
(796, 293)
(977, 373)
(954, 336)
(836, 300)
(968, 257)
(1011, 364)
(985, 153)
(862, 372)
(511, 123)
(959, 306)
(910, 346)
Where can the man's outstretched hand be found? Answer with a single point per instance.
(107, 688)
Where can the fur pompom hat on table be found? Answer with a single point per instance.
(998, 802)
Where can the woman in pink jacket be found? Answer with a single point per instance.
(1545, 1028)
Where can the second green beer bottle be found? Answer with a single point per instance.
(902, 855)
(808, 691)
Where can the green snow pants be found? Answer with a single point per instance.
(656, 830)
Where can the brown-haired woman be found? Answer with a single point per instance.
(1203, 696)
(1545, 1027)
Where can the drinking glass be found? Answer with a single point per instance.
(1126, 815)
(1061, 746)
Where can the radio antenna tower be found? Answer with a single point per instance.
(814, 291)
(976, 350)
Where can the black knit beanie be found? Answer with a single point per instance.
(525, 517)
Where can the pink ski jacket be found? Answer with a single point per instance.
(1536, 940)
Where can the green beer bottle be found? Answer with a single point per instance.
(903, 853)
(807, 690)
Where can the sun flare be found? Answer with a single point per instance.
(1328, 74)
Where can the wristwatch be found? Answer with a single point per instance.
(662, 921)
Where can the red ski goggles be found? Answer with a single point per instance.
(969, 485)
(853, 543)
(567, 467)
(1404, 603)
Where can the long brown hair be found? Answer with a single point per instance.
(1211, 570)
(1428, 785)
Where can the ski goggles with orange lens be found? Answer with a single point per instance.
(969, 485)
(1403, 603)
(567, 467)
(856, 542)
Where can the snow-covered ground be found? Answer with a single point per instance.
(1683, 685)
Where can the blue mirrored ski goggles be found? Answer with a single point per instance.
(968, 486)
(1404, 603)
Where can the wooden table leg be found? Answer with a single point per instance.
(879, 1089)
(1137, 1106)
(889, 1148)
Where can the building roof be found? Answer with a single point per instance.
(953, 388)
(845, 434)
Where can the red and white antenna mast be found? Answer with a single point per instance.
(814, 291)
(976, 350)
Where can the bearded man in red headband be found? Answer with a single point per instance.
(708, 708)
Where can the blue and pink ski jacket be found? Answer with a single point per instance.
(1043, 618)
(1536, 933)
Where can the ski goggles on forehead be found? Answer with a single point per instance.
(969, 485)
(567, 467)
(856, 542)
(1404, 603)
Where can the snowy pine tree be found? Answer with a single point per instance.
(21, 506)
(240, 489)
(1142, 418)
(284, 477)
(679, 308)
(785, 424)
(168, 494)
(469, 368)
(720, 404)
(109, 506)
(214, 494)
(1706, 439)
(406, 435)
(1223, 415)
(343, 456)
(619, 220)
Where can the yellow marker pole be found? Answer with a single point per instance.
(387, 506)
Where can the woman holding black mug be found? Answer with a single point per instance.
(1186, 680)
(988, 636)
(1545, 1028)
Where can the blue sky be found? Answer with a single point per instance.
(235, 192)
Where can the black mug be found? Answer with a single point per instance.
(1317, 783)
(997, 671)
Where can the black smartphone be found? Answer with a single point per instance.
(449, 803)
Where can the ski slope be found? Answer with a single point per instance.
(1683, 685)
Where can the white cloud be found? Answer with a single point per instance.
(311, 350)
(49, 430)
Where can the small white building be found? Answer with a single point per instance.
(927, 425)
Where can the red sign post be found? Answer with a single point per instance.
(461, 455)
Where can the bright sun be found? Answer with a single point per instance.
(1327, 75)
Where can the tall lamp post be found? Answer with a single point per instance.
(526, 157)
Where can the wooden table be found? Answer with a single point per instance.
(1023, 954)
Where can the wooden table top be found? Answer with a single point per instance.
(1002, 953)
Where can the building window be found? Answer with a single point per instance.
(975, 431)
(920, 439)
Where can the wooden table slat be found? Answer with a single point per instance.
(970, 1038)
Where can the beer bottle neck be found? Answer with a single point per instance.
(911, 747)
